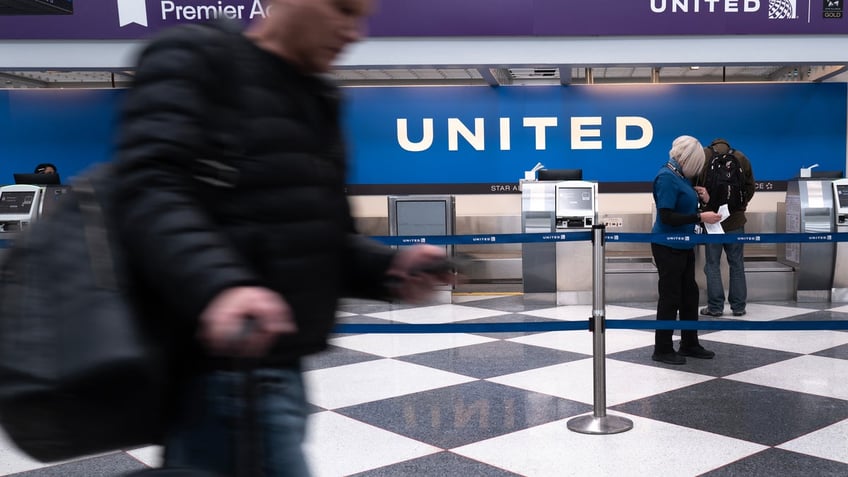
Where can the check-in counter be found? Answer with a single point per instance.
(839, 291)
(538, 260)
(631, 276)
(424, 215)
(539, 269)
(809, 208)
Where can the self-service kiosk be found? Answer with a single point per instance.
(558, 272)
(23, 204)
(576, 210)
(839, 292)
(20, 205)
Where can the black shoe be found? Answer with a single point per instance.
(696, 351)
(706, 311)
(738, 312)
(669, 358)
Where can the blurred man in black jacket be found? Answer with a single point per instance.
(232, 202)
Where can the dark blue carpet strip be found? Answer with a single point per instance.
(539, 326)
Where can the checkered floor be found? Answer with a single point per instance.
(772, 403)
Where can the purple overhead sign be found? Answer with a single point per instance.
(608, 17)
(136, 19)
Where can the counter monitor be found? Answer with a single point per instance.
(16, 202)
(841, 197)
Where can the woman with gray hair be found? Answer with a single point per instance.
(677, 203)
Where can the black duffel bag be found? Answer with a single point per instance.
(79, 370)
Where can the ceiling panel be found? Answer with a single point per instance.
(63, 79)
(479, 75)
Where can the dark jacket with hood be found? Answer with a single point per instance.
(737, 219)
(232, 172)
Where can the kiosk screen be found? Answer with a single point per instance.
(842, 196)
(576, 199)
(422, 217)
(16, 202)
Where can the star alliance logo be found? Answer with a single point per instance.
(782, 9)
(132, 11)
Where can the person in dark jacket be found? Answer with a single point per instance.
(737, 293)
(232, 205)
(677, 203)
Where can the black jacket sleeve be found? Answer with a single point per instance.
(173, 243)
(669, 217)
(367, 263)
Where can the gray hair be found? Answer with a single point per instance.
(689, 153)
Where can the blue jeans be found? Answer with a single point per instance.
(737, 293)
(210, 431)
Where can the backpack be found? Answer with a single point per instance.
(80, 345)
(725, 180)
(75, 351)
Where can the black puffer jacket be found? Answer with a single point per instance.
(232, 172)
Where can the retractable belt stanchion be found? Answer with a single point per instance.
(599, 422)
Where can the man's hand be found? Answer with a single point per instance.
(703, 195)
(245, 321)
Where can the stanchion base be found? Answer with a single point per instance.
(600, 425)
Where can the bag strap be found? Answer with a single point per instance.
(226, 53)
(94, 229)
(212, 171)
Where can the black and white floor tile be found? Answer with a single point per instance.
(772, 403)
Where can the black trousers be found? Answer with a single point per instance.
(678, 294)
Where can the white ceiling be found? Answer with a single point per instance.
(502, 76)
(480, 61)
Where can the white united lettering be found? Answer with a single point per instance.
(710, 6)
(579, 133)
(540, 124)
(624, 122)
(476, 139)
(585, 133)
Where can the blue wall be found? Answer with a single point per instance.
(70, 128)
(780, 126)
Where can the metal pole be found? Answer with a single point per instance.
(599, 422)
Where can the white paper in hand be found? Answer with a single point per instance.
(716, 227)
